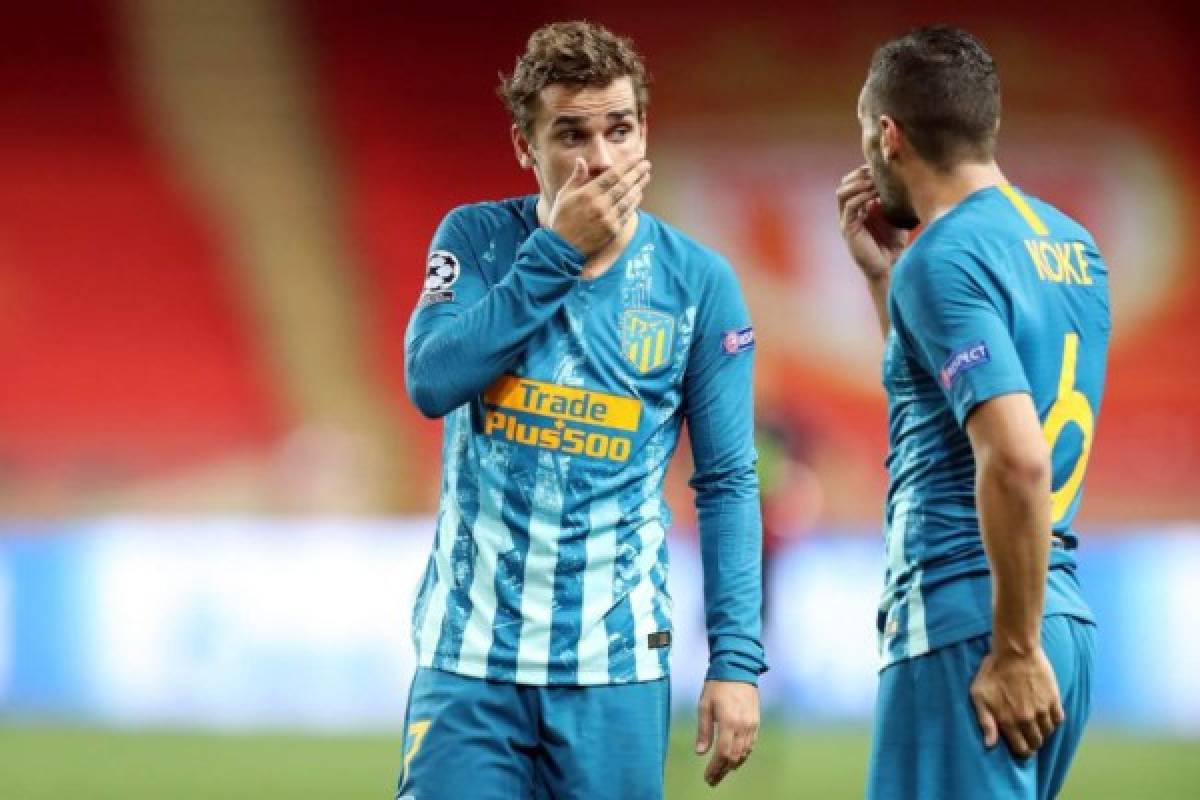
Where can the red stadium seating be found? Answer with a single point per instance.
(124, 350)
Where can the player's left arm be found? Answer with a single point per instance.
(1015, 692)
(719, 408)
(953, 317)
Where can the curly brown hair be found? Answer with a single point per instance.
(575, 54)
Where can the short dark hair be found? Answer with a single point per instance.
(940, 85)
(576, 54)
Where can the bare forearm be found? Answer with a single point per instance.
(878, 287)
(1014, 516)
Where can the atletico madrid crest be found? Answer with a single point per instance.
(646, 338)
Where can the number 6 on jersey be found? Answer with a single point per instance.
(1070, 405)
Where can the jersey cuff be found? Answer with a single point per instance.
(736, 665)
(555, 251)
(720, 671)
(975, 396)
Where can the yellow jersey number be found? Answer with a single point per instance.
(416, 734)
(1070, 406)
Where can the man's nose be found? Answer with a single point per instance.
(599, 156)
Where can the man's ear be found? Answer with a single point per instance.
(891, 138)
(522, 148)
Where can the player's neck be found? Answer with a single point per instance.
(936, 192)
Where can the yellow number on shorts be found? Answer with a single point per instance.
(1071, 405)
(416, 734)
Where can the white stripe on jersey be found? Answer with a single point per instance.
(641, 599)
(537, 597)
(918, 635)
(492, 537)
(897, 558)
(598, 589)
(897, 537)
(449, 521)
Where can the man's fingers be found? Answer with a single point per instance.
(848, 190)
(1057, 714)
(748, 738)
(629, 203)
(730, 754)
(1015, 737)
(718, 767)
(727, 742)
(628, 181)
(724, 757)
(861, 171)
(716, 770)
(613, 179)
(852, 211)
(853, 195)
(704, 730)
(742, 748)
(1031, 732)
(632, 199)
(736, 749)
(753, 741)
(987, 721)
(1046, 723)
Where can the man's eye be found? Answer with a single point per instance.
(570, 137)
(620, 132)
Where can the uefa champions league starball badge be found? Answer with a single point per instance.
(442, 271)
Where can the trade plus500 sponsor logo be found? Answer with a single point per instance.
(563, 409)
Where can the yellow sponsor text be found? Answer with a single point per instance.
(565, 403)
(558, 437)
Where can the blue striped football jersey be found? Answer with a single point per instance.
(563, 400)
(1002, 294)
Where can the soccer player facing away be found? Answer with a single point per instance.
(997, 326)
(564, 337)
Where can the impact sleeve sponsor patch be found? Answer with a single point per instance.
(961, 360)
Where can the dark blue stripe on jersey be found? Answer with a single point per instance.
(567, 623)
(619, 624)
(661, 619)
(666, 439)
(510, 584)
(429, 578)
(426, 588)
(458, 600)
(566, 626)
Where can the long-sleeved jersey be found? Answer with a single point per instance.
(563, 399)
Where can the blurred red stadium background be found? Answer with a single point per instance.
(213, 221)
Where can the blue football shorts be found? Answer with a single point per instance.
(474, 739)
(927, 744)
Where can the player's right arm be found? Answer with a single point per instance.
(873, 243)
(464, 336)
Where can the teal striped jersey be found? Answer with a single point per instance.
(1002, 294)
(563, 400)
